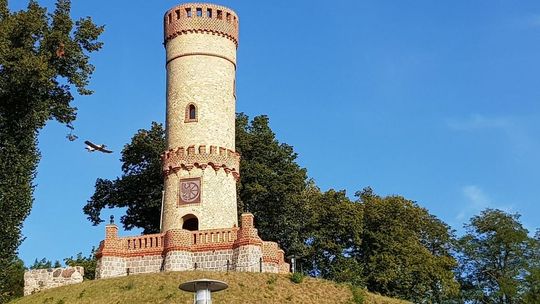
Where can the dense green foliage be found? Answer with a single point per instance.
(498, 260)
(14, 278)
(532, 280)
(405, 251)
(335, 235)
(87, 262)
(271, 184)
(388, 244)
(43, 57)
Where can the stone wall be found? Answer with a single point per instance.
(39, 279)
(213, 260)
(144, 264)
(178, 261)
(110, 266)
(246, 258)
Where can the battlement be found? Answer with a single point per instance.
(201, 17)
(201, 157)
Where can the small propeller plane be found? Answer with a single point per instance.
(91, 147)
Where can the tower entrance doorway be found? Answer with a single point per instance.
(191, 222)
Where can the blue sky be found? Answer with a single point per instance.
(435, 101)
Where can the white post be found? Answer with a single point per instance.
(161, 216)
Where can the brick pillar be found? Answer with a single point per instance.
(248, 246)
(246, 220)
(110, 255)
(111, 231)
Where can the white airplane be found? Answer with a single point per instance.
(91, 147)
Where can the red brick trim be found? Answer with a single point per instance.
(216, 157)
(271, 260)
(177, 21)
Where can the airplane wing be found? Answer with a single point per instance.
(92, 144)
(105, 150)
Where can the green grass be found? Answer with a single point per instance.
(163, 288)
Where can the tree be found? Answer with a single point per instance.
(271, 184)
(532, 280)
(494, 258)
(405, 251)
(43, 57)
(532, 287)
(89, 264)
(14, 275)
(140, 187)
(44, 263)
(335, 235)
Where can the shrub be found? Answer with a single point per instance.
(358, 294)
(297, 277)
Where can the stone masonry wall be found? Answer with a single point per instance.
(247, 258)
(144, 264)
(217, 208)
(110, 266)
(178, 261)
(40, 279)
(215, 260)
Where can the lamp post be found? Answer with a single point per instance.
(203, 289)
(293, 262)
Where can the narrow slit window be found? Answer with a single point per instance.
(191, 113)
(199, 12)
(188, 12)
(169, 18)
(228, 17)
(219, 14)
(177, 14)
(209, 13)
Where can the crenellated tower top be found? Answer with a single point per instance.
(201, 17)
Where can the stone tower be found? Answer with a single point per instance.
(201, 167)
(200, 229)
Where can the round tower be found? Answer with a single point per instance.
(200, 167)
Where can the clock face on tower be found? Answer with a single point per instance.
(190, 191)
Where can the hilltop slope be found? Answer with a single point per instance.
(163, 288)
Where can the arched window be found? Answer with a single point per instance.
(191, 113)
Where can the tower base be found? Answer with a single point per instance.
(230, 249)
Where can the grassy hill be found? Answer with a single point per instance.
(163, 288)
